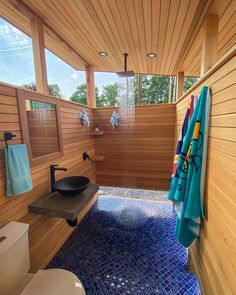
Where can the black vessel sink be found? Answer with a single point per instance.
(71, 185)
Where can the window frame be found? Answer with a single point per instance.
(22, 96)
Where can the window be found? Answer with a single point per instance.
(189, 82)
(106, 89)
(40, 116)
(16, 55)
(154, 89)
(64, 81)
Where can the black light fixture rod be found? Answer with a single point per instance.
(126, 56)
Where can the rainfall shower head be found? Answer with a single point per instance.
(125, 73)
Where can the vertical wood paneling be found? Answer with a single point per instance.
(213, 257)
(138, 155)
(46, 234)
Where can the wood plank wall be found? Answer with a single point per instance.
(139, 155)
(213, 257)
(226, 10)
(46, 235)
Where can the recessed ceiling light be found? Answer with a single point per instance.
(151, 55)
(103, 53)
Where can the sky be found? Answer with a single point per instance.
(16, 64)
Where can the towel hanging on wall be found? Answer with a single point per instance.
(115, 117)
(187, 185)
(17, 170)
(84, 118)
(188, 115)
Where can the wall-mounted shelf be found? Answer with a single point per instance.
(57, 205)
(97, 158)
(97, 133)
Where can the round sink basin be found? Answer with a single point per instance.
(71, 185)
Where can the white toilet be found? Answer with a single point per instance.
(15, 264)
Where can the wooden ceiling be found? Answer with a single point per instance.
(83, 28)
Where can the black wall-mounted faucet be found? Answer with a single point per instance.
(86, 156)
(54, 168)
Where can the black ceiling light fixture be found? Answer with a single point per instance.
(125, 73)
(151, 55)
(103, 53)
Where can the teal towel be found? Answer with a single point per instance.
(17, 170)
(187, 185)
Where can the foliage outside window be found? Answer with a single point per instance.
(189, 82)
(63, 79)
(154, 89)
(53, 89)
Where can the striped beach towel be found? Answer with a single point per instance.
(188, 115)
(187, 185)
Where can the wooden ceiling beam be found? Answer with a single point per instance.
(195, 27)
(209, 43)
(180, 85)
(27, 12)
(90, 83)
(39, 56)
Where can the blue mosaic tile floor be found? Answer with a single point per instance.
(127, 247)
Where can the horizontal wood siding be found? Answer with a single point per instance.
(46, 235)
(214, 256)
(138, 155)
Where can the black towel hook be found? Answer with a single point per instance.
(8, 136)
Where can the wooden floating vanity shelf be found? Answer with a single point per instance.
(97, 133)
(97, 158)
(61, 206)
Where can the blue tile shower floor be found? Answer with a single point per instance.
(126, 246)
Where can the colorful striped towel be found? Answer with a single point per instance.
(188, 115)
(187, 185)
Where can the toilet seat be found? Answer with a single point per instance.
(54, 282)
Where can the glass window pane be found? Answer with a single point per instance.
(16, 55)
(189, 82)
(64, 81)
(154, 89)
(106, 89)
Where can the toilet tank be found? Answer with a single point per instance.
(14, 256)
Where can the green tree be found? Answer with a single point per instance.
(80, 95)
(189, 82)
(100, 99)
(154, 89)
(54, 89)
(109, 95)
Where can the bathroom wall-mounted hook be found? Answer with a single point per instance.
(8, 136)
(86, 156)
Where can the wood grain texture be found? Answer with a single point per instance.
(138, 155)
(46, 234)
(77, 31)
(88, 26)
(191, 58)
(213, 256)
(40, 67)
